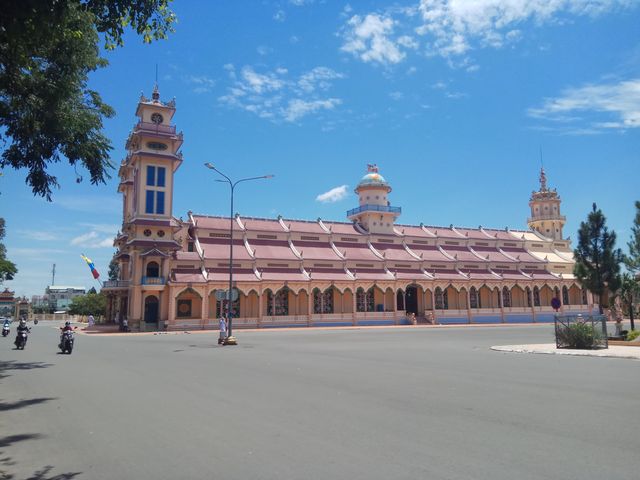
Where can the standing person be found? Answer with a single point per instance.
(91, 320)
(125, 324)
(223, 330)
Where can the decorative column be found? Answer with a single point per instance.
(433, 304)
(468, 303)
(172, 306)
(501, 302)
(205, 309)
(355, 306)
(533, 307)
(260, 307)
(310, 301)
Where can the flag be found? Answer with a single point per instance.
(94, 272)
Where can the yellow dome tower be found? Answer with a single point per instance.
(545, 211)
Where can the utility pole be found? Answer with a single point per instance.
(53, 275)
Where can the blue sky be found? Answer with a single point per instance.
(453, 100)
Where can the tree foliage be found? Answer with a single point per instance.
(47, 50)
(629, 292)
(597, 264)
(114, 269)
(632, 261)
(8, 269)
(89, 304)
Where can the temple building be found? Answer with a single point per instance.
(369, 270)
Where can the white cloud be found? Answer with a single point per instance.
(201, 83)
(264, 50)
(370, 39)
(298, 108)
(333, 195)
(100, 236)
(39, 235)
(396, 95)
(279, 96)
(452, 28)
(279, 16)
(593, 108)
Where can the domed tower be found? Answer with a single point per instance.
(545, 211)
(375, 213)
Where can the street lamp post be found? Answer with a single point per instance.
(230, 340)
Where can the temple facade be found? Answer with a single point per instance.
(369, 270)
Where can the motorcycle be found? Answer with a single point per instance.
(66, 345)
(21, 339)
(5, 330)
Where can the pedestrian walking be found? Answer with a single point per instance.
(223, 330)
(91, 320)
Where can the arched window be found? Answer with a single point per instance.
(442, 299)
(536, 297)
(556, 292)
(281, 302)
(153, 269)
(565, 295)
(400, 300)
(506, 297)
(474, 299)
(584, 296)
(527, 292)
(364, 300)
(323, 301)
(269, 297)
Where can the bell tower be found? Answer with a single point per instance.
(152, 158)
(545, 211)
(375, 213)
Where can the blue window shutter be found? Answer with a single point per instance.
(151, 175)
(148, 208)
(160, 182)
(160, 203)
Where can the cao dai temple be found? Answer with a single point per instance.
(369, 270)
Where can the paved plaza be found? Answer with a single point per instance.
(377, 403)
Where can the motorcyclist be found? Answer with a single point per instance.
(67, 328)
(22, 327)
(5, 326)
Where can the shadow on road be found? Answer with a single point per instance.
(24, 403)
(42, 474)
(14, 365)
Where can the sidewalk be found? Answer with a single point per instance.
(614, 351)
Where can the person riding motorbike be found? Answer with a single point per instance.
(6, 327)
(67, 327)
(22, 327)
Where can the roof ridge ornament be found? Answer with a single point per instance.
(372, 168)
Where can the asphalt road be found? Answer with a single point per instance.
(391, 403)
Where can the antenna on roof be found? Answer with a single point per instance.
(53, 275)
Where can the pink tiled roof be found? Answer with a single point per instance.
(463, 254)
(181, 255)
(304, 226)
(328, 274)
(521, 254)
(342, 228)
(539, 274)
(394, 252)
(510, 274)
(408, 274)
(429, 253)
(315, 250)
(183, 275)
(371, 274)
(412, 231)
(239, 274)
(356, 251)
(479, 274)
(262, 224)
(218, 248)
(472, 233)
(493, 253)
(291, 274)
(215, 223)
(446, 274)
(272, 249)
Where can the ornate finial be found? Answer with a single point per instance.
(156, 94)
(372, 168)
(543, 180)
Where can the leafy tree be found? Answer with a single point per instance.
(597, 264)
(8, 269)
(89, 304)
(47, 111)
(629, 291)
(114, 269)
(632, 261)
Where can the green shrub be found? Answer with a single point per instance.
(632, 335)
(578, 335)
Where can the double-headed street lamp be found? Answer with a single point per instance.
(230, 340)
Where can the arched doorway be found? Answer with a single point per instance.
(411, 299)
(151, 309)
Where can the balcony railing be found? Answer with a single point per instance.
(547, 217)
(115, 284)
(152, 127)
(374, 208)
(153, 281)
